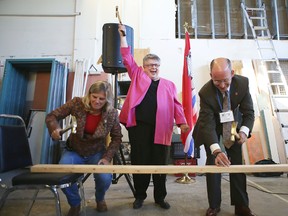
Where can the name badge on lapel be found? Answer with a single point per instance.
(226, 116)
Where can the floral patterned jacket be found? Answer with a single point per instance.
(88, 144)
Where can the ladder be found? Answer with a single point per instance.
(277, 84)
(258, 22)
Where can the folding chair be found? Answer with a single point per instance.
(15, 155)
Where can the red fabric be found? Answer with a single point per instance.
(92, 122)
(188, 99)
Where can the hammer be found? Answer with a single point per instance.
(71, 127)
(234, 131)
(119, 19)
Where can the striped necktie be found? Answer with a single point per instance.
(227, 125)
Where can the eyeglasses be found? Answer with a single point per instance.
(225, 81)
(152, 65)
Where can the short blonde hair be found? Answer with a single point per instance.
(97, 87)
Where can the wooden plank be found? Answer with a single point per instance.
(169, 169)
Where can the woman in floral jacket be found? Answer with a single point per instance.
(96, 119)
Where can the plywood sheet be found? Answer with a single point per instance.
(139, 55)
(254, 148)
(41, 90)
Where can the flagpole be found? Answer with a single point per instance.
(185, 179)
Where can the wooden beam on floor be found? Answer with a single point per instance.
(144, 169)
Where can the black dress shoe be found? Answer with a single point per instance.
(212, 211)
(137, 203)
(243, 211)
(163, 204)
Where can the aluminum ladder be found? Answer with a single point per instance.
(277, 84)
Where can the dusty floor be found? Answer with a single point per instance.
(268, 196)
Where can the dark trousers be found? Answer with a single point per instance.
(238, 191)
(145, 152)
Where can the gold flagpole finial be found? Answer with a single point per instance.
(185, 27)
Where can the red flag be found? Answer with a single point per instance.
(188, 99)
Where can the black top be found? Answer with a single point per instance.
(146, 110)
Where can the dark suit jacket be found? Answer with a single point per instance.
(208, 127)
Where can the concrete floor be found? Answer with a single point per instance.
(268, 196)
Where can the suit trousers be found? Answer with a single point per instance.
(145, 152)
(238, 187)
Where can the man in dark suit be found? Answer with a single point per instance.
(208, 131)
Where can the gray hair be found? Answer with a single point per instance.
(151, 56)
(229, 64)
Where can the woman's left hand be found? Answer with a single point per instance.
(184, 128)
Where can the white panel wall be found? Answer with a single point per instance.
(33, 29)
(76, 37)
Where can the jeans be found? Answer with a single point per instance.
(102, 180)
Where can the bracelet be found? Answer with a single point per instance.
(217, 153)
